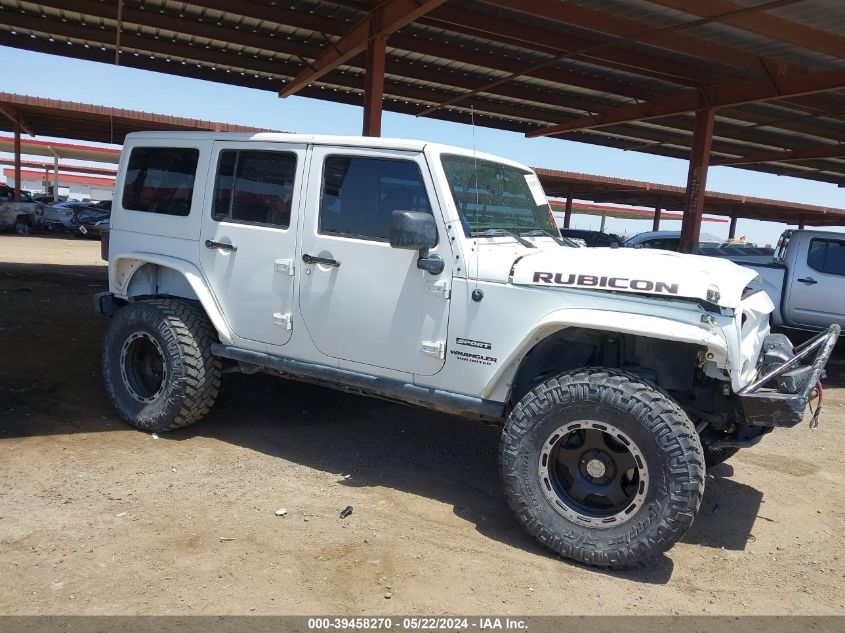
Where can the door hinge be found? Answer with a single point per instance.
(439, 288)
(434, 348)
(284, 266)
(283, 319)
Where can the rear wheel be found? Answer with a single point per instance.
(157, 364)
(602, 467)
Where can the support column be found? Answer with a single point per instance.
(801, 224)
(655, 226)
(567, 214)
(732, 228)
(55, 177)
(17, 162)
(697, 179)
(603, 222)
(374, 86)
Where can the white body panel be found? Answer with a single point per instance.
(255, 283)
(380, 315)
(375, 308)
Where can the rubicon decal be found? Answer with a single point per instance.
(612, 283)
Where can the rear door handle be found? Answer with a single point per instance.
(328, 261)
(808, 280)
(221, 245)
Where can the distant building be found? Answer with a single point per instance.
(75, 186)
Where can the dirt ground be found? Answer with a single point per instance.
(96, 518)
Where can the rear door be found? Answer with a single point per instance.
(249, 236)
(816, 292)
(370, 303)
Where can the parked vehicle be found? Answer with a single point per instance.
(21, 217)
(90, 221)
(592, 238)
(434, 276)
(710, 246)
(48, 199)
(806, 279)
(60, 215)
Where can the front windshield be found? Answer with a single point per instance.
(492, 196)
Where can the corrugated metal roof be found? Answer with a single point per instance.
(519, 65)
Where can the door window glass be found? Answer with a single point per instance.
(161, 180)
(360, 195)
(254, 187)
(663, 243)
(827, 256)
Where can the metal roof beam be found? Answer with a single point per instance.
(809, 153)
(761, 23)
(777, 86)
(385, 19)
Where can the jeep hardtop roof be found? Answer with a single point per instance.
(374, 142)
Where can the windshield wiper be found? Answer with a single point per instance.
(495, 232)
(539, 232)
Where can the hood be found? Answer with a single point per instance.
(635, 271)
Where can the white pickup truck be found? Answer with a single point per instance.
(434, 276)
(806, 279)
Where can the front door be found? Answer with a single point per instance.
(249, 238)
(363, 301)
(816, 289)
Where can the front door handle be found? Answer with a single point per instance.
(808, 280)
(328, 261)
(221, 245)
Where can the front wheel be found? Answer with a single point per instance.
(602, 467)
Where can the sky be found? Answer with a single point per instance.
(51, 76)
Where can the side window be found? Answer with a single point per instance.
(827, 256)
(663, 243)
(360, 195)
(254, 187)
(160, 180)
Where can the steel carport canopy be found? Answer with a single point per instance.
(524, 65)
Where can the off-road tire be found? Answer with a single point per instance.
(715, 456)
(664, 435)
(192, 374)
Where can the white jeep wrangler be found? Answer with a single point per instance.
(435, 276)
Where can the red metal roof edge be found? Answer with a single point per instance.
(87, 148)
(29, 174)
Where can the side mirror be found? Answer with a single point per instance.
(417, 231)
(413, 230)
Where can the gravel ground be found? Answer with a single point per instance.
(96, 518)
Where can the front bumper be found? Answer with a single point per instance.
(785, 405)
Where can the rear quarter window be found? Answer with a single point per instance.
(160, 180)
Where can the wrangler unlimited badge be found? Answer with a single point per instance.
(614, 283)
